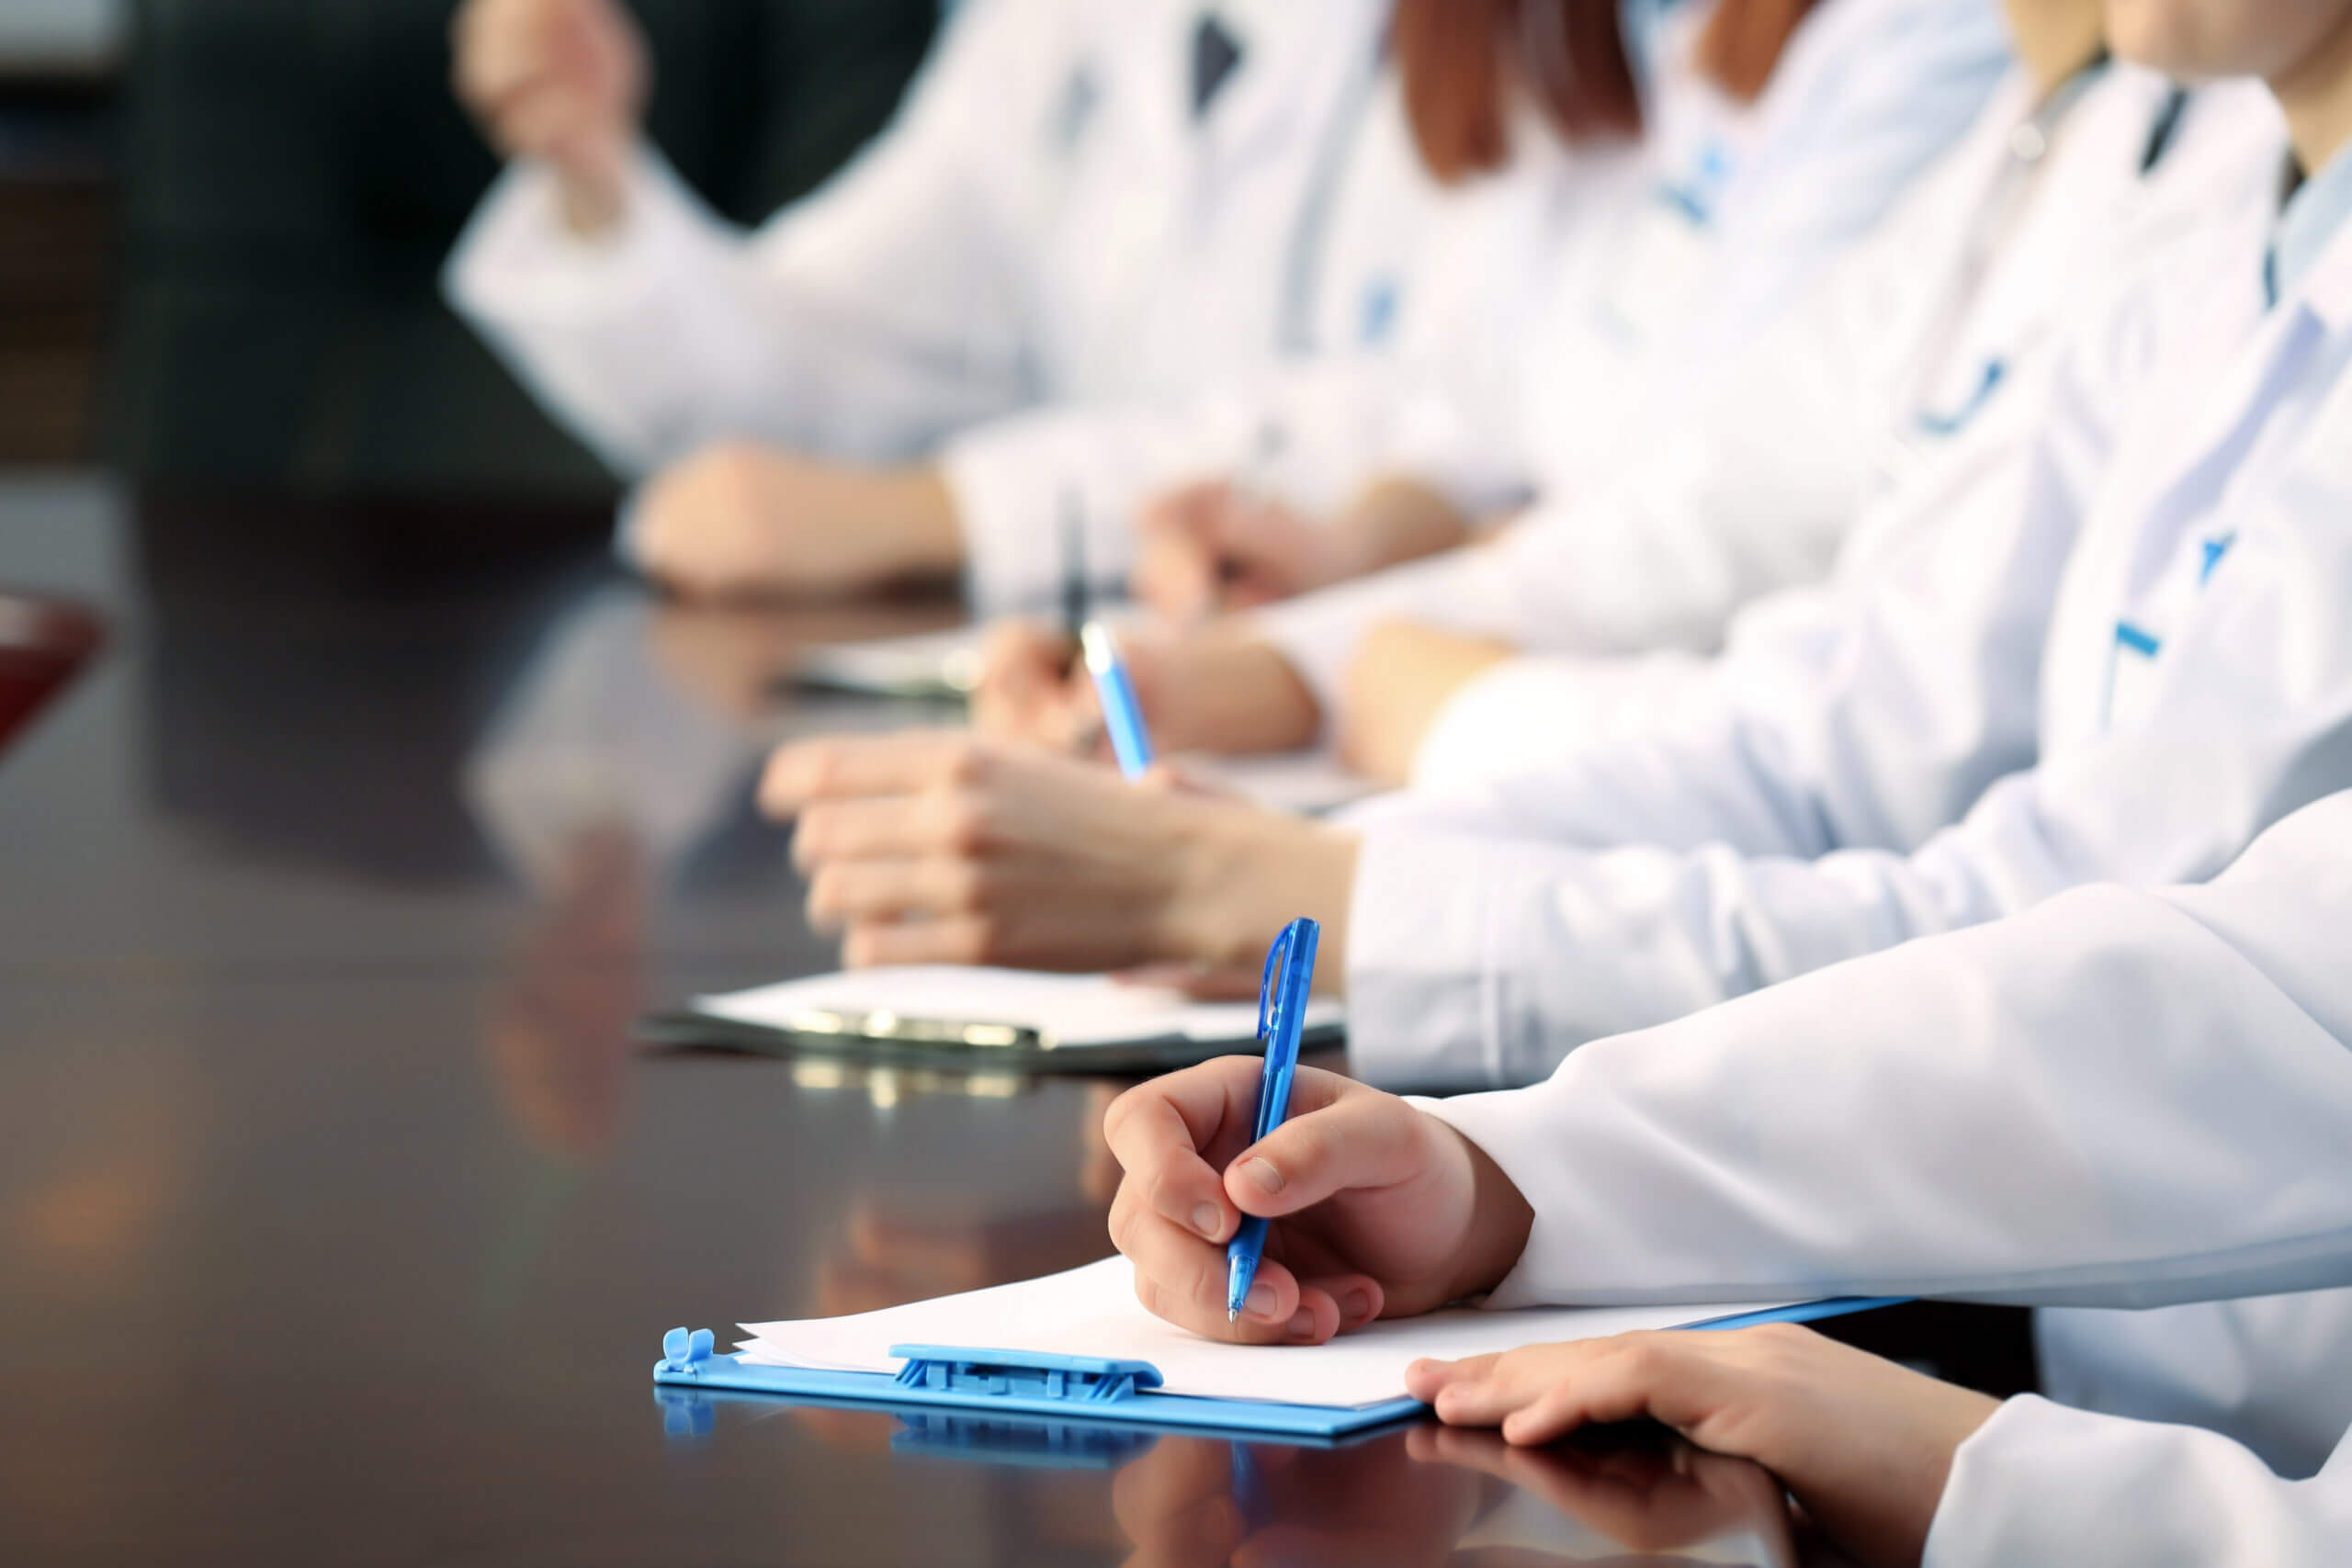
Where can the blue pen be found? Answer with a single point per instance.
(1281, 1015)
(1121, 714)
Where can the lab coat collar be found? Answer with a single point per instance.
(2312, 254)
(1286, 45)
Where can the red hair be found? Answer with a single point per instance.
(1460, 60)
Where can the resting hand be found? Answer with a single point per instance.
(1402, 674)
(562, 80)
(1865, 1445)
(1215, 689)
(738, 521)
(1378, 1210)
(938, 846)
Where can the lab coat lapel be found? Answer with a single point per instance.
(1286, 48)
(2196, 446)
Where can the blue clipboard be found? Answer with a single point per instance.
(1021, 1384)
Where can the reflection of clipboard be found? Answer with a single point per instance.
(1029, 1385)
(979, 1020)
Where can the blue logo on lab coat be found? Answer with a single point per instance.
(1075, 113)
(1381, 303)
(1952, 424)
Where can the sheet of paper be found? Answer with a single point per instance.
(1308, 783)
(1093, 1311)
(1073, 1011)
(929, 664)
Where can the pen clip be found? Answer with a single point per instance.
(1267, 999)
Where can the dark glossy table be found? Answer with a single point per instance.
(340, 1223)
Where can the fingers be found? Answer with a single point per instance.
(935, 821)
(1360, 1137)
(1425, 1379)
(1171, 1217)
(1357, 1299)
(1540, 1392)
(872, 892)
(1177, 569)
(1161, 1131)
(1182, 1279)
(1030, 689)
(901, 764)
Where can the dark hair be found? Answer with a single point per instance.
(1460, 60)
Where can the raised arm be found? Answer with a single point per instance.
(865, 321)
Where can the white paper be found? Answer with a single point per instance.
(1309, 783)
(929, 663)
(1093, 1312)
(1073, 1012)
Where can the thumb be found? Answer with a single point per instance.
(1361, 1139)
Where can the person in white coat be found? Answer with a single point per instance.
(2124, 1099)
(1048, 223)
(2122, 673)
(1582, 314)
(1867, 410)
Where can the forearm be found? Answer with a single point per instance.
(1241, 875)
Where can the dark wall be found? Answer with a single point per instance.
(295, 171)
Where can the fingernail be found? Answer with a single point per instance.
(1205, 1220)
(1301, 1325)
(1263, 1173)
(1260, 1303)
(1355, 1307)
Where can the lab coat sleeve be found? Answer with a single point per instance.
(1669, 860)
(1302, 433)
(2039, 1483)
(1753, 496)
(863, 323)
(2123, 1099)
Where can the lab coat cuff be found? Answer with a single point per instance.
(1316, 636)
(1319, 634)
(2039, 1483)
(1015, 481)
(1510, 1127)
(519, 265)
(1417, 990)
(1482, 732)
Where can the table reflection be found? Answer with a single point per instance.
(1418, 1498)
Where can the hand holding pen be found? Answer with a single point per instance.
(1375, 1209)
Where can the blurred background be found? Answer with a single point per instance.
(220, 222)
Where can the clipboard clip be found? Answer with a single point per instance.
(1013, 1374)
(685, 1355)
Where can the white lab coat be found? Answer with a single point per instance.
(2123, 1097)
(1043, 221)
(1571, 297)
(2042, 1483)
(1849, 407)
(2140, 626)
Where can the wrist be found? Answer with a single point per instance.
(1243, 874)
(1500, 1220)
(592, 192)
